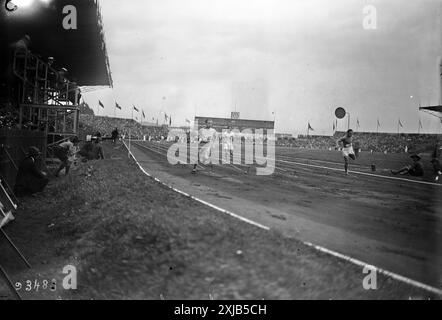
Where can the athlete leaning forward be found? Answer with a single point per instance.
(206, 138)
(347, 148)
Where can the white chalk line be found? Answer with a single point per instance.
(387, 273)
(341, 256)
(158, 152)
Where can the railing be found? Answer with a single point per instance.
(48, 100)
(42, 84)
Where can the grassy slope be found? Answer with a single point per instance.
(132, 238)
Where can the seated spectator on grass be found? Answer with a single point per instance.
(415, 169)
(66, 151)
(30, 179)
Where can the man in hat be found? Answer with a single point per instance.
(30, 179)
(415, 169)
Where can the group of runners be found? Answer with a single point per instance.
(208, 135)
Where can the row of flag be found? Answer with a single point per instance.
(117, 106)
(358, 125)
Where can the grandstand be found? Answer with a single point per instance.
(369, 141)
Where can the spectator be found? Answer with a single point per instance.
(65, 151)
(22, 44)
(30, 179)
(92, 150)
(414, 169)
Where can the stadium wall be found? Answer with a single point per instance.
(222, 123)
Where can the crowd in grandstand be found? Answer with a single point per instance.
(372, 142)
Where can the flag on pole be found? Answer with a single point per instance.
(400, 123)
(187, 121)
(142, 112)
(100, 104)
(310, 127)
(357, 123)
(170, 120)
(135, 108)
(379, 124)
(117, 106)
(166, 117)
(334, 126)
(420, 124)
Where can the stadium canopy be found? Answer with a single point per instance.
(82, 51)
(432, 108)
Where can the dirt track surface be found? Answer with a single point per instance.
(392, 224)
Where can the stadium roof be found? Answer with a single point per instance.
(432, 108)
(82, 51)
